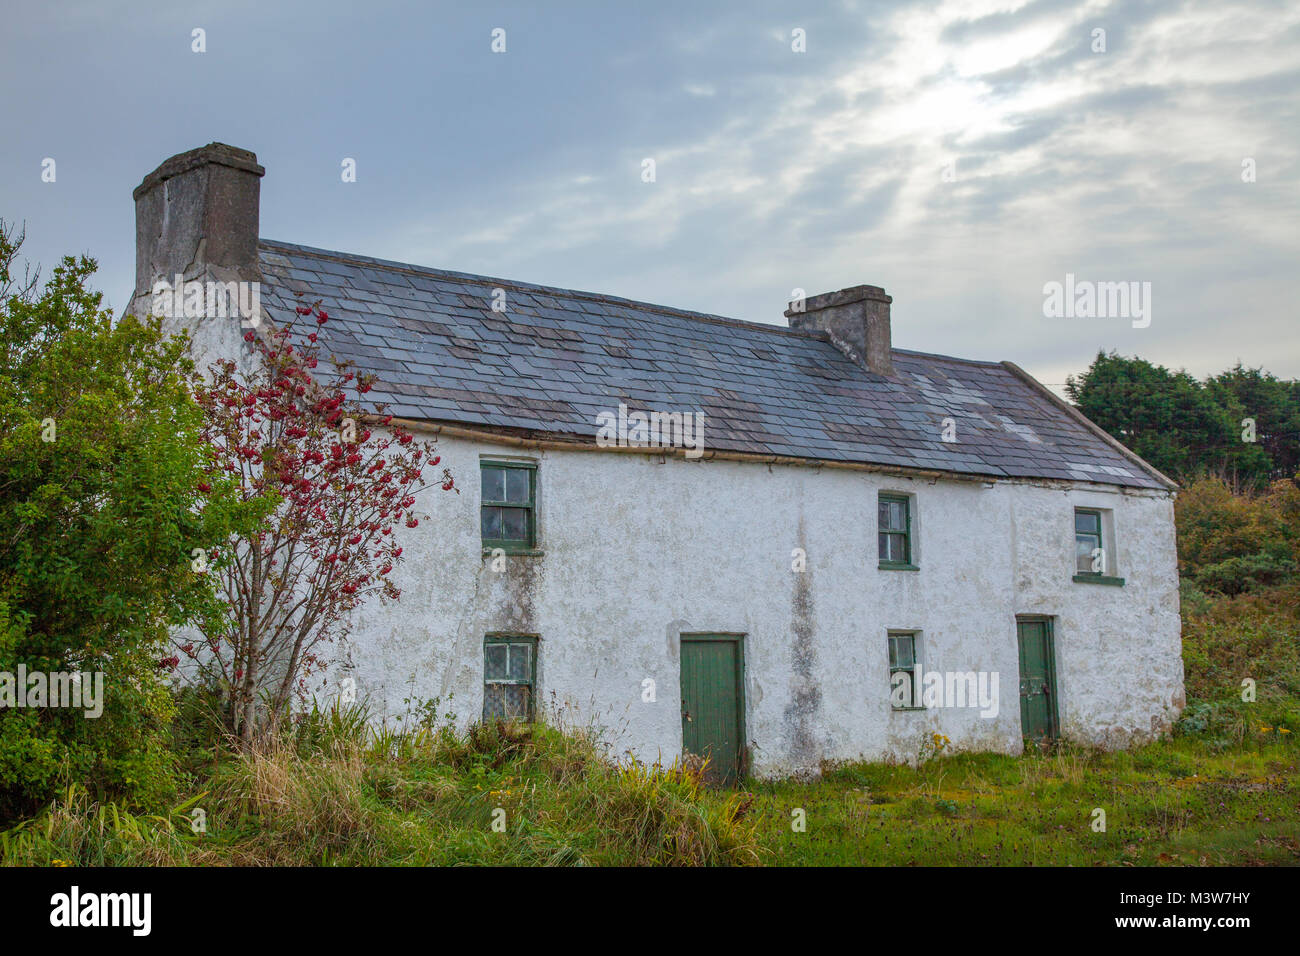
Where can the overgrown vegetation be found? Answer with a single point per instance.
(99, 512)
(1238, 558)
(1231, 544)
(339, 792)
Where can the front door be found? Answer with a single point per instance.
(1038, 710)
(712, 703)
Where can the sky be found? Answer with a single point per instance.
(962, 154)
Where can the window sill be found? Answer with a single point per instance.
(513, 551)
(894, 566)
(1098, 579)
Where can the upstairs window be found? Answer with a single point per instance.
(1094, 547)
(509, 505)
(895, 531)
(1089, 552)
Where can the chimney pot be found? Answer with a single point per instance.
(855, 319)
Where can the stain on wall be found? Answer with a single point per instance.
(805, 693)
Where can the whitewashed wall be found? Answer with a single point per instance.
(637, 551)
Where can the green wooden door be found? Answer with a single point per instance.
(712, 704)
(1038, 717)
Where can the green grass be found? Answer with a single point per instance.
(1174, 802)
(1221, 791)
(431, 797)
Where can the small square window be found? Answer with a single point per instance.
(894, 530)
(509, 673)
(509, 506)
(903, 691)
(1089, 552)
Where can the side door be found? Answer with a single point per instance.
(1039, 717)
(713, 704)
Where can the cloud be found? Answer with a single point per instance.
(774, 169)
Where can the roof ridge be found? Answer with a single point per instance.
(394, 266)
(949, 358)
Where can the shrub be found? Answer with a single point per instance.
(100, 464)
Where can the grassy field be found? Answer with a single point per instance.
(1169, 803)
(432, 798)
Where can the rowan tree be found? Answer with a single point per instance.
(345, 478)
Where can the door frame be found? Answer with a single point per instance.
(1049, 633)
(742, 722)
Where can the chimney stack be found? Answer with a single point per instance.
(196, 215)
(855, 319)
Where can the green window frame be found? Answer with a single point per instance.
(509, 676)
(508, 510)
(894, 532)
(1088, 538)
(902, 660)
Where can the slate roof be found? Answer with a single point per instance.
(557, 358)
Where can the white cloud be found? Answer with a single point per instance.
(700, 89)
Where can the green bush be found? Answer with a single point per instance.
(101, 506)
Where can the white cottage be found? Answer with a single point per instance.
(836, 548)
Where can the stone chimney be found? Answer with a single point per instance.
(856, 320)
(196, 216)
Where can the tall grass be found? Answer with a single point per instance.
(338, 790)
(332, 793)
(77, 831)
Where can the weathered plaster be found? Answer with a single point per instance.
(636, 551)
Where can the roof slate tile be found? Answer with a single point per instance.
(557, 358)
